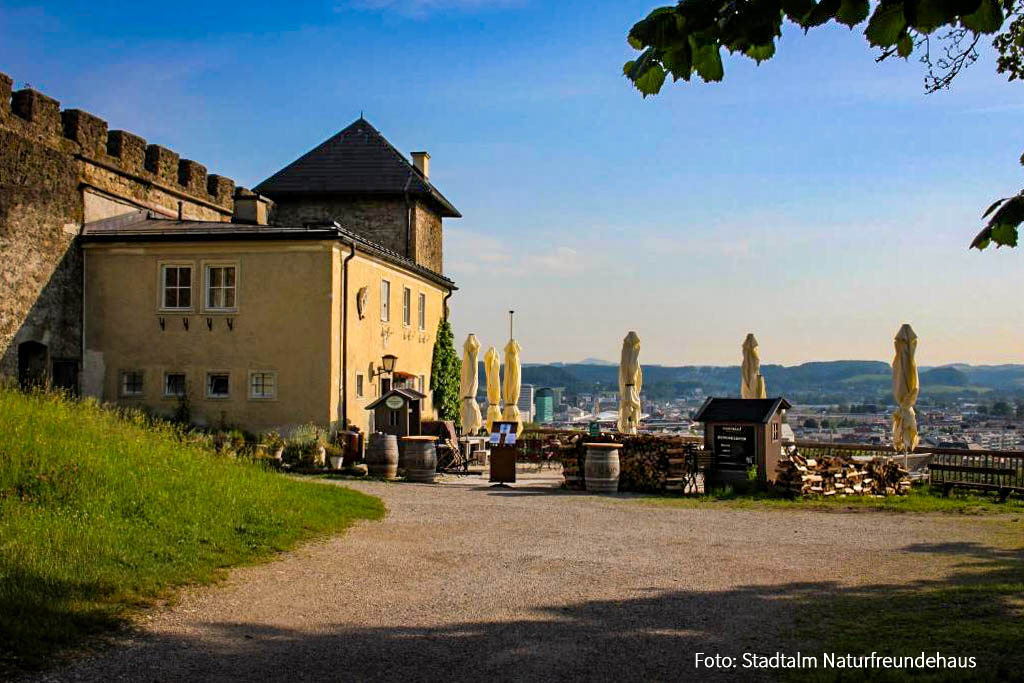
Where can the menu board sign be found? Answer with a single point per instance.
(734, 446)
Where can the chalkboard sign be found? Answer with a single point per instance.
(734, 446)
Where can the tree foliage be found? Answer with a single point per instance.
(687, 40)
(445, 374)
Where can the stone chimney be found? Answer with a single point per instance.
(250, 207)
(421, 160)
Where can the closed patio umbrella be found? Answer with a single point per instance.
(492, 368)
(905, 388)
(630, 379)
(471, 419)
(752, 383)
(512, 384)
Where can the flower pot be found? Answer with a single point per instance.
(336, 461)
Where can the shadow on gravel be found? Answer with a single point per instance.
(976, 611)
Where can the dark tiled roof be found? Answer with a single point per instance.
(740, 409)
(356, 161)
(409, 394)
(140, 226)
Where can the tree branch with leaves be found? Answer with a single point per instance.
(687, 40)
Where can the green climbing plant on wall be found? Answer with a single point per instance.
(445, 374)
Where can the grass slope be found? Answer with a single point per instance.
(100, 514)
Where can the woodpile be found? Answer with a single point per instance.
(841, 476)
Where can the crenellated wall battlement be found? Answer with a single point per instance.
(38, 117)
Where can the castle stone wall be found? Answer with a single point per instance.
(59, 169)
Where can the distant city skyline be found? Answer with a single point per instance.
(819, 200)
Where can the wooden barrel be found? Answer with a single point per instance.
(382, 455)
(420, 458)
(601, 468)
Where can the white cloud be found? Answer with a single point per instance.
(470, 253)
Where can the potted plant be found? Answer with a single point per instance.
(334, 456)
(273, 444)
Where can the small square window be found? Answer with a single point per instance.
(217, 385)
(174, 384)
(359, 385)
(262, 385)
(176, 284)
(131, 383)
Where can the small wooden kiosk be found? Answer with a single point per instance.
(397, 412)
(741, 433)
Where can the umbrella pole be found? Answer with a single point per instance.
(510, 335)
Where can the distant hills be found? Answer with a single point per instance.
(825, 381)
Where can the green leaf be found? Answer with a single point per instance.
(852, 12)
(995, 205)
(651, 80)
(822, 12)
(635, 42)
(927, 15)
(707, 61)
(982, 244)
(886, 25)
(759, 53)
(987, 19)
(679, 62)
(905, 45)
(796, 10)
(1004, 235)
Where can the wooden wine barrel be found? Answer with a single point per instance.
(601, 468)
(382, 455)
(420, 458)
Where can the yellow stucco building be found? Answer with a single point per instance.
(282, 315)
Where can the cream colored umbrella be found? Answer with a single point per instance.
(512, 379)
(471, 419)
(752, 383)
(630, 380)
(905, 389)
(492, 368)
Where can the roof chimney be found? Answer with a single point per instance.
(421, 160)
(251, 207)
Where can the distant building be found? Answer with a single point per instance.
(526, 397)
(545, 406)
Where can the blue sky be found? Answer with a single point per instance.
(818, 200)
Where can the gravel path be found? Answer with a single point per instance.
(466, 582)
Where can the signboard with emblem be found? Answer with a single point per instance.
(394, 402)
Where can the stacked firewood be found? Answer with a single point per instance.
(840, 476)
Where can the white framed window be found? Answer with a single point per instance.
(359, 385)
(218, 385)
(221, 286)
(385, 301)
(174, 384)
(775, 431)
(422, 380)
(423, 311)
(176, 286)
(131, 383)
(406, 306)
(262, 385)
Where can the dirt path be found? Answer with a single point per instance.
(466, 582)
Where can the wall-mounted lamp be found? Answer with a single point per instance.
(184, 321)
(387, 365)
(209, 324)
(231, 324)
(163, 322)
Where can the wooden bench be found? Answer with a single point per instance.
(987, 472)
